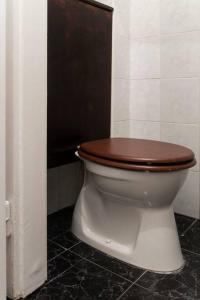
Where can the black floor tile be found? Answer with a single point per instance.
(183, 285)
(191, 239)
(63, 240)
(53, 250)
(70, 236)
(108, 262)
(183, 222)
(59, 222)
(84, 281)
(61, 263)
(138, 293)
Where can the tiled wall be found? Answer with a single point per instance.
(179, 87)
(121, 68)
(157, 79)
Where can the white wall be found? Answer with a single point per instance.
(180, 88)
(164, 88)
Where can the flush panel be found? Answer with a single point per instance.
(79, 76)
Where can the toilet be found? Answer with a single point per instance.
(125, 208)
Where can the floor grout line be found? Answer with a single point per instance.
(74, 245)
(60, 274)
(56, 256)
(125, 291)
(187, 229)
(131, 285)
(191, 251)
(145, 288)
(64, 250)
(56, 244)
(140, 276)
(84, 258)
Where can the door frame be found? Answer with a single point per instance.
(26, 170)
(2, 149)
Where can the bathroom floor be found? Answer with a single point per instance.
(78, 271)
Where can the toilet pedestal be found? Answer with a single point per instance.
(145, 237)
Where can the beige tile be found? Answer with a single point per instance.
(182, 134)
(145, 58)
(145, 99)
(180, 55)
(120, 99)
(145, 18)
(180, 100)
(187, 200)
(179, 15)
(145, 130)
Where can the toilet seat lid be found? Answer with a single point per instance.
(138, 151)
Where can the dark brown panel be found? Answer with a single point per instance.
(79, 76)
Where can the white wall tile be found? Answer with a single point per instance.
(145, 99)
(145, 18)
(180, 100)
(121, 51)
(179, 15)
(107, 2)
(170, 51)
(121, 129)
(145, 58)
(187, 199)
(182, 134)
(120, 99)
(145, 130)
(180, 55)
(121, 17)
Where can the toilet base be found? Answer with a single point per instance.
(144, 237)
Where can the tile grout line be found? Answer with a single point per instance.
(63, 246)
(56, 256)
(86, 259)
(56, 244)
(125, 291)
(60, 274)
(195, 253)
(64, 250)
(187, 229)
(145, 288)
(131, 285)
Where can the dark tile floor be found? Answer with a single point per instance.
(78, 271)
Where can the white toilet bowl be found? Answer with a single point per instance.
(128, 214)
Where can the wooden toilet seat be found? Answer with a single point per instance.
(138, 154)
